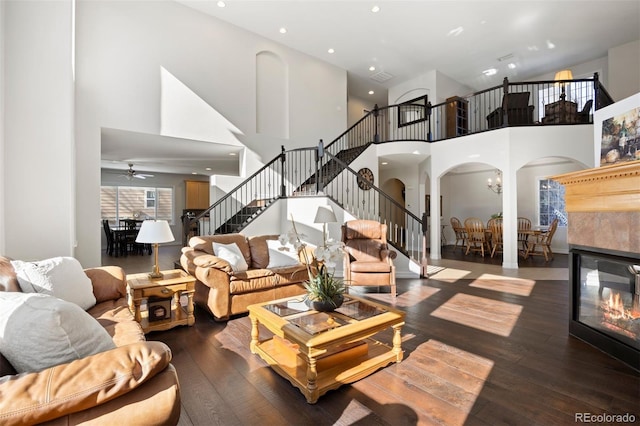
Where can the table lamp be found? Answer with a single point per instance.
(325, 215)
(155, 232)
(563, 75)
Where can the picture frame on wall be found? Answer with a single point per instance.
(427, 203)
(412, 111)
(621, 137)
(616, 132)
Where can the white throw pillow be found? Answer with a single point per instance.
(38, 331)
(62, 277)
(281, 256)
(232, 254)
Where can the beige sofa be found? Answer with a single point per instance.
(131, 384)
(223, 292)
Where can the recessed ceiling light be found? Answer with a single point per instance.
(512, 66)
(550, 45)
(372, 68)
(384, 163)
(490, 71)
(455, 32)
(375, 9)
(221, 4)
(331, 51)
(208, 168)
(232, 154)
(371, 92)
(194, 173)
(283, 30)
(416, 152)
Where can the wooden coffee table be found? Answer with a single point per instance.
(318, 352)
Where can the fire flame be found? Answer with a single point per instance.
(615, 307)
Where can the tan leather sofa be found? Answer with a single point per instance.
(223, 292)
(131, 384)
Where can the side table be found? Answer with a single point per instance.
(172, 286)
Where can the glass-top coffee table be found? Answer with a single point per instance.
(318, 351)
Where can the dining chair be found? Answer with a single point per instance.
(476, 235)
(496, 236)
(541, 244)
(524, 224)
(109, 234)
(460, 232)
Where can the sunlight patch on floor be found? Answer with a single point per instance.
(517, 286)
(353, 413)
(450, 274)
(445, 384)
(484, 314)
(413, 296)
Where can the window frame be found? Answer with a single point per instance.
(147, 189)
(558, 211)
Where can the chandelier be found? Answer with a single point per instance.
(497, 186)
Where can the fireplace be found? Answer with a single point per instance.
(605, 301)
(603, 205)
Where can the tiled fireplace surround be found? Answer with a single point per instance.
(603, 205)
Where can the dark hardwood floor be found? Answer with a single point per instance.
(479, 350)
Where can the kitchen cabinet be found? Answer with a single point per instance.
(197, 194)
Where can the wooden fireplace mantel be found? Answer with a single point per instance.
(613, 188)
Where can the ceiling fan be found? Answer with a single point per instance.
(133, 174)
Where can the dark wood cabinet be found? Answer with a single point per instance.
(457, 117)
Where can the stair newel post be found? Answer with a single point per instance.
(283, 189)
(376, 114)
(428, 114)
(423, 260)
(505, 102)
(596, 91)
(319, 177)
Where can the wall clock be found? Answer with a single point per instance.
(366, 174)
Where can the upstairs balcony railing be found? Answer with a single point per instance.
(325, 171)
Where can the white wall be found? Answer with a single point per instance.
(38, 123)
(121, 49)
(2, 131)
(624, 70)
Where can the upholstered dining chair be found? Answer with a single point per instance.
(460, 232)
(368, 261)
(476, 235)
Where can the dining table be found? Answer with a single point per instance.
(535, 232)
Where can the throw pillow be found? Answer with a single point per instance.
(232, 254)
(62, 277)
(39, 331)
(281, 256)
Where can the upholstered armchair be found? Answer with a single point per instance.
(368, 260)
(517, 109)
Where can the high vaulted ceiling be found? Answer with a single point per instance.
(404, 39)
(460, 38)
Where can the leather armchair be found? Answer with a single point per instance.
(368, 260)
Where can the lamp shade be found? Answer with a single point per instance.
(154, 231)
(564, 75)
(325, 215)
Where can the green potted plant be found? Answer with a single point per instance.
(325, 291)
